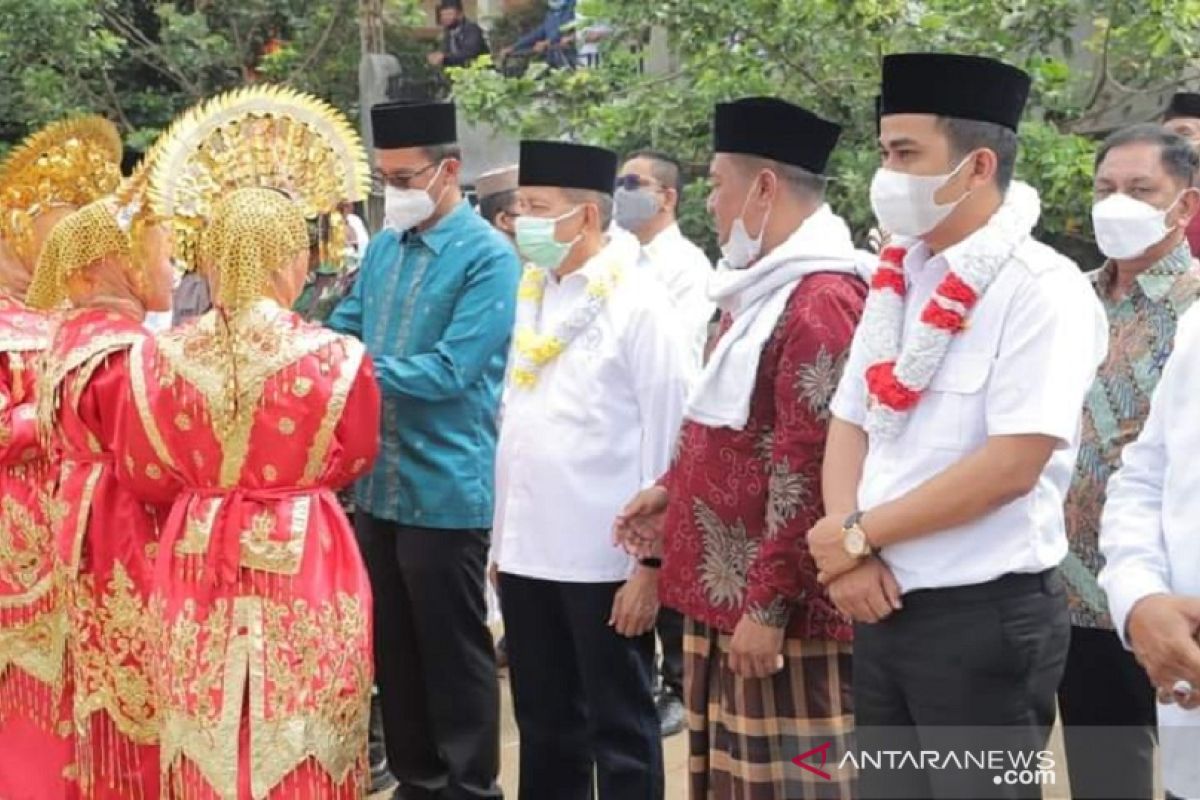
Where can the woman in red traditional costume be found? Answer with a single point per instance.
(249, 419)
(110, 262)
(64, 166)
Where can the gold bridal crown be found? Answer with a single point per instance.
(70, 162)
(265, 137)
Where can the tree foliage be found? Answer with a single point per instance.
(826, 55)
(140, 62)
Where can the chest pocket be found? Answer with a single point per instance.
(955, 408)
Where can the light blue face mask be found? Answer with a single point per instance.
(536, 242)
(556, 5)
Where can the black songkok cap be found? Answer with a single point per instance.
(568, 166)
(399, 125)
(952, 85)
(1183, 104)
(774, 129)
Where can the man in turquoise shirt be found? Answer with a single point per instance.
(434, 304)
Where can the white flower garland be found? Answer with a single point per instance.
(898, 374)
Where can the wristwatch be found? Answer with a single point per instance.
(651, 563)
(854, 538)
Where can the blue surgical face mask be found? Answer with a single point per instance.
(536, 242)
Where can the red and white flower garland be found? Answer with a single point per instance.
(900, 371)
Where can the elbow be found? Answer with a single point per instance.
(1015, 480)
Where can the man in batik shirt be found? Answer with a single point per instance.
(766, 651)
(1142, 173)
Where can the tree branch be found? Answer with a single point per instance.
(323, 40)
(149, 52)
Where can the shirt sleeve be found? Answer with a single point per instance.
(689, 291)
(1054, 338)
(819, 331)
(1131, 526)
(530, 39)
(850, 400)
(347, 317)
(479, 330)
(473, 46)
(659, 374)
(356, 436)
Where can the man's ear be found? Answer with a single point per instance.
(1188, 205)
(671, 199)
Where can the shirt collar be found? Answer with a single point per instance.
(668, 235)
(445, 229)
(1155, 283)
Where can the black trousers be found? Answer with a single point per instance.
(434, 660)
(669, 628)
(582, 694)
(1108, 711)
(966, 668)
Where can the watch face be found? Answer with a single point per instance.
(856, 541)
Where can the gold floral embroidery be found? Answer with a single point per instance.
(25, 546)
(302, 386)
(308, 688)
(112, 652)
(57, 366)
(347, 372)
(37, 645)
(270, 473)
(82, 510)
(287, 426)
(198, 529)
(183, 422)
(230, 366)
(153, 472)
(261, 552)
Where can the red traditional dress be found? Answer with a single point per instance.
(250, 424)
(106, 544)
(36, 761)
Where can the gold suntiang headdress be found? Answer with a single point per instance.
(71, 162)
(260, 137)
(110, 226)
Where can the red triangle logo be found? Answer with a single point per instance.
(823, 751)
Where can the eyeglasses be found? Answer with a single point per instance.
(398, 180)
(632, 183)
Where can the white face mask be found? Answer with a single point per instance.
(904, 203)
(407, 208)
(740, 251)
(1127, 228)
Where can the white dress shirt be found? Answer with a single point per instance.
(1022, 366)
(597, 427)
(684, 270)
(1148, 532)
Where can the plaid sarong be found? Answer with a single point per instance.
(743, 734)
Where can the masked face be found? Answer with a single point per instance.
(538, 244)
(634, 209)
(404, 209)
(737, 207)
(912, 193)
(1138, 203)
(906, 204)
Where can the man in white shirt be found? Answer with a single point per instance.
(646, 204)
(955, 433)
(1152, 570)
(595, 395)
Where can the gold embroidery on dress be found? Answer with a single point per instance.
(113, 656)
(302, 386)
(183, 422)
(287, 426)
(261, 552)
(230, 366)
(82, 508)
(308, 690)
(347, 372)
(141, 399)
(198, 528)
(56, 367)
(25, 546)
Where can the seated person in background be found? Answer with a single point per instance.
(553, 38)
(462, 39)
